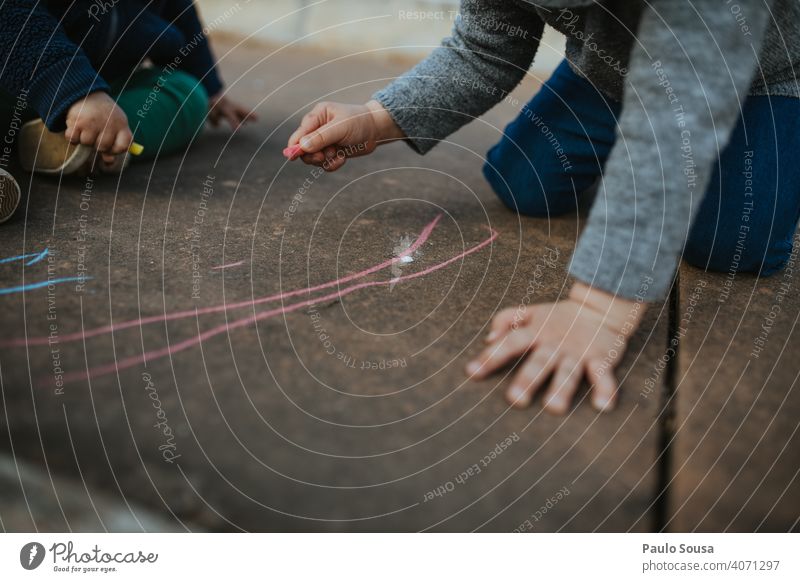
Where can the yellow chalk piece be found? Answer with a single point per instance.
(136, 149)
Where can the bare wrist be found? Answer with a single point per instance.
(619, 313)
(387, 129)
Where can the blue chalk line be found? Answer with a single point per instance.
(38, 257)
(40, 284)
(34, 257)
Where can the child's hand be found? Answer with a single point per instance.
(585, 335)
(97, 121)
(221, 107)
(332, 132)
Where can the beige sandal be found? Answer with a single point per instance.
(9, 195)
(46, 152)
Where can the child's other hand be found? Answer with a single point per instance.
(332, 132)
(97, 121)
(222, 107)
(583, 336)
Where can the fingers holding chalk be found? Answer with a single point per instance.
(293, 152)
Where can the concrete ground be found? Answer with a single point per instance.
(352, 413)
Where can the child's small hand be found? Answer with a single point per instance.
(222, 107)
(96, 120)
(332, 132)
(583, 336)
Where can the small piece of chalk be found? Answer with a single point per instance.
(136, 149)
(293, 152)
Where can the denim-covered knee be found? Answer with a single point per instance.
(744, 253)
(524, 187)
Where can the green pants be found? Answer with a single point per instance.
(166, 110)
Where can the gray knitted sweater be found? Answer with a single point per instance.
(681, 69)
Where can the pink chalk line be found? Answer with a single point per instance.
(85, 334)
(227, 327)
(228, 266)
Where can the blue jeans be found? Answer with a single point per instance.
(557, 147)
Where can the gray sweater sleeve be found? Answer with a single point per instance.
(689, 73)
(493, 44)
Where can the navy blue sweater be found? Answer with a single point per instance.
(62, 50)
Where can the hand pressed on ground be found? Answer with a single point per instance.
(222, 107)
(584, 336)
